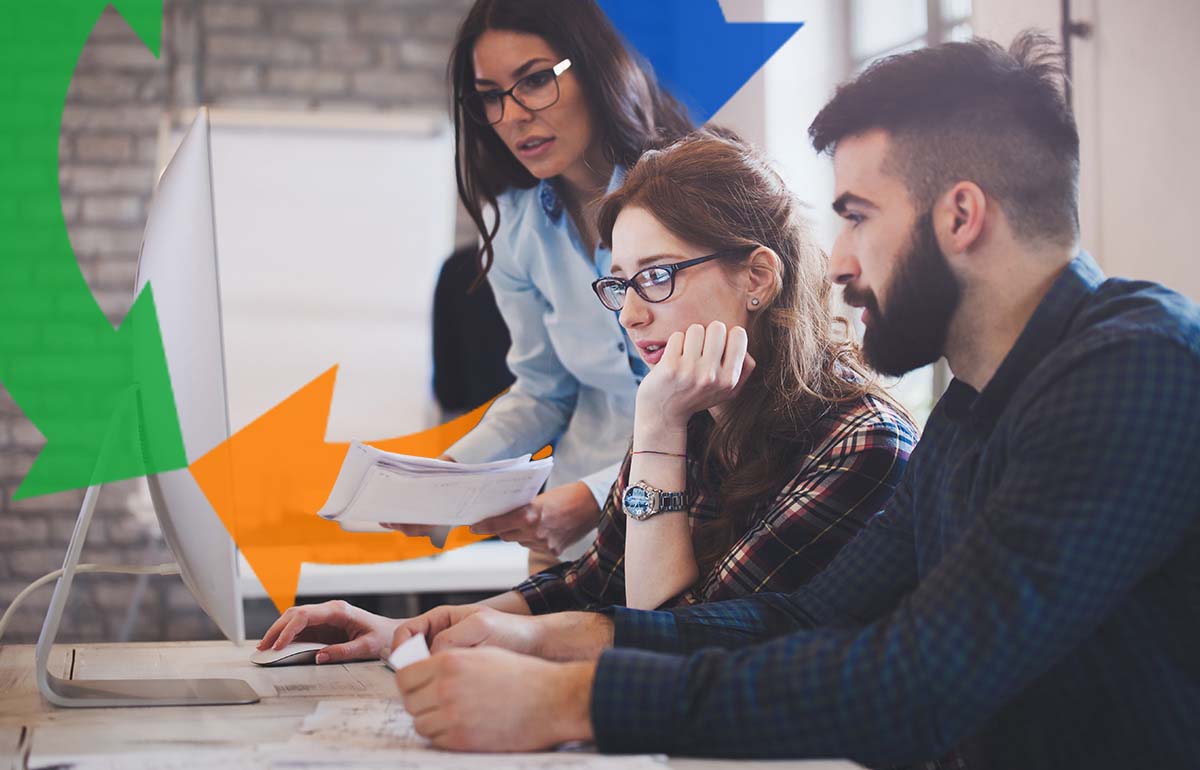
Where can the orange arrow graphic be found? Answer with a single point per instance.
(268, 481)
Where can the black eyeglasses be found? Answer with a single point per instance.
(536, 91)
(653, 284)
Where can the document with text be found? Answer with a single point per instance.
(374, 487)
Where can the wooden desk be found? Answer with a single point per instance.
(288, 696)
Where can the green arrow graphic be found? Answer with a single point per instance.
(101, 396)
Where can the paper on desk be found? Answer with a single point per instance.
(360, 727)
(375, 486)
(289, 757)
(359, 723)
(445, 760)
(410, 651)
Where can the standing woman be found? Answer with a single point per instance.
(551, 108)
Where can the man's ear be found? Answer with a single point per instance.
(959, 218)
(764, 277)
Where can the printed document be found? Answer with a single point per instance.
(374, 486)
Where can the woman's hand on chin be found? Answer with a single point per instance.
(699, 369)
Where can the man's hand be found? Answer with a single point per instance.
(561, 636)
(471, 625)
(552, 521)
(351, 632)
(496, 700)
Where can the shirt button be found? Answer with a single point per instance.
(621, 346)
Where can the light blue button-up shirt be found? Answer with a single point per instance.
(576, 371)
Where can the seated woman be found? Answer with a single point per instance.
(761, 445)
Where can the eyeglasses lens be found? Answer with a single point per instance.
(655, 283)
(612, 294)
(533, 92)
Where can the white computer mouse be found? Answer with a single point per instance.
(294, 654)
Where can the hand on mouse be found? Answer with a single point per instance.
(351, 633)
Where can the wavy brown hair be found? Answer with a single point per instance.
(712, 190)
(632, 112)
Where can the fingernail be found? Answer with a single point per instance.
(322, 657)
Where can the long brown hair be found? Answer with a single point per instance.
(714, 191)
(631, 111)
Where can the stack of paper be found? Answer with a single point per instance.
(374, 487)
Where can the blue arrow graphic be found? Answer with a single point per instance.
(702, 59)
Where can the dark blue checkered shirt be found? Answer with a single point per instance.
(1030, 598)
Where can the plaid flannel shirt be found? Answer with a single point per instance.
(1030, 596)
(842, 481)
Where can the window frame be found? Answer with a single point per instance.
(937, 30)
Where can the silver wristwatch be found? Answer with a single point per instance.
(641, 501)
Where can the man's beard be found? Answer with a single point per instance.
(922, 298)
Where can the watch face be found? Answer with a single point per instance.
(637, 502)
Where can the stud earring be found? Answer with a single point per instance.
(754, 302)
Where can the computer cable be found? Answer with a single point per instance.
(157, 569)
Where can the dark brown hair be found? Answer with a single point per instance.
(975, 112)
(631, 111)
(714, 191)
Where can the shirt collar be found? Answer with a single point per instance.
(1045, 330)
(551, 199)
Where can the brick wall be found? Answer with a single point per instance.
(307, 55)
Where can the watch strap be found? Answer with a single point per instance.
(659, 501)
(669, 502)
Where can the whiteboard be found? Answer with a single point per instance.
(331, 231)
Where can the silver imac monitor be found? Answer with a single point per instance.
(179, 260)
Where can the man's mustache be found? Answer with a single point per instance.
(864, 299)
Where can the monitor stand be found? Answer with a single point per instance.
(96, 693)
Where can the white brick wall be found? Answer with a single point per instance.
(281, 54)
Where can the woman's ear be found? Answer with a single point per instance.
(764, 271)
